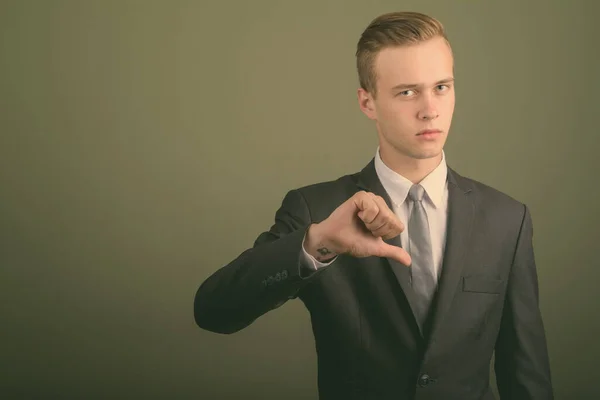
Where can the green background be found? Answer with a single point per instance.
(144, 144)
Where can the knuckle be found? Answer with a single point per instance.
(384, 231)
(359, 195)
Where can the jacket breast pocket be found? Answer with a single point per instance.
(482, 284)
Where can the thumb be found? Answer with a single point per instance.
(395, 252)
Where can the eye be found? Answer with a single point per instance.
(442, 87)
(405, 93)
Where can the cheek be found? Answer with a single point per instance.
(399, 126)
(398, 113)
(450, 112)
(450, 103)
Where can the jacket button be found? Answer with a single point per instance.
(424, 380)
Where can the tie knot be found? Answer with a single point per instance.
(416, 192)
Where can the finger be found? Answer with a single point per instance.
(388, 211)
(382, 217)
(394, 252)
(385, 230)
(390, 230)
(368, 208)
(379, 225)
(386, 223)
(391, 234)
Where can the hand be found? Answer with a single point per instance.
(357, 227)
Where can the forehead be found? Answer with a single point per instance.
(422, 63)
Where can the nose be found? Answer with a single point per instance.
(428, 116)
(428, 111)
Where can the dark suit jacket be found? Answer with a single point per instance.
(369, 344)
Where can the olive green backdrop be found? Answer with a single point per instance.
(144, 144)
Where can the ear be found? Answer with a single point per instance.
(366, 103)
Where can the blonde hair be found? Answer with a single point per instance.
(390, 30)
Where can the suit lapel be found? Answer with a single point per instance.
(461, 213)
(458, 229)
(369, 181)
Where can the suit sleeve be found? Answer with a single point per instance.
(521, 360)
(261, 278)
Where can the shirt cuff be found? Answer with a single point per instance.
(311, 262)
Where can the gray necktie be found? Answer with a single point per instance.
(421, 269)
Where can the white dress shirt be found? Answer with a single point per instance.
(435, 202)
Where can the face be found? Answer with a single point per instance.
(415, 92)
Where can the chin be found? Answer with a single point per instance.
(426, 154)
(417, 151)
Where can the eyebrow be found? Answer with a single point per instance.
(414, 85)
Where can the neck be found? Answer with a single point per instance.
(412, 169)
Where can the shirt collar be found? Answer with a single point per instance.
(397, 186)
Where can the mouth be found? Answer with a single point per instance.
(429, 135)
(429, 132)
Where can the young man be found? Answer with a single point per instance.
(413, 274)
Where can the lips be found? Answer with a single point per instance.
(425, 131)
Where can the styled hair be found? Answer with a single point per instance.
(390, 30)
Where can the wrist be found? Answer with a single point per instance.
(318, 245)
